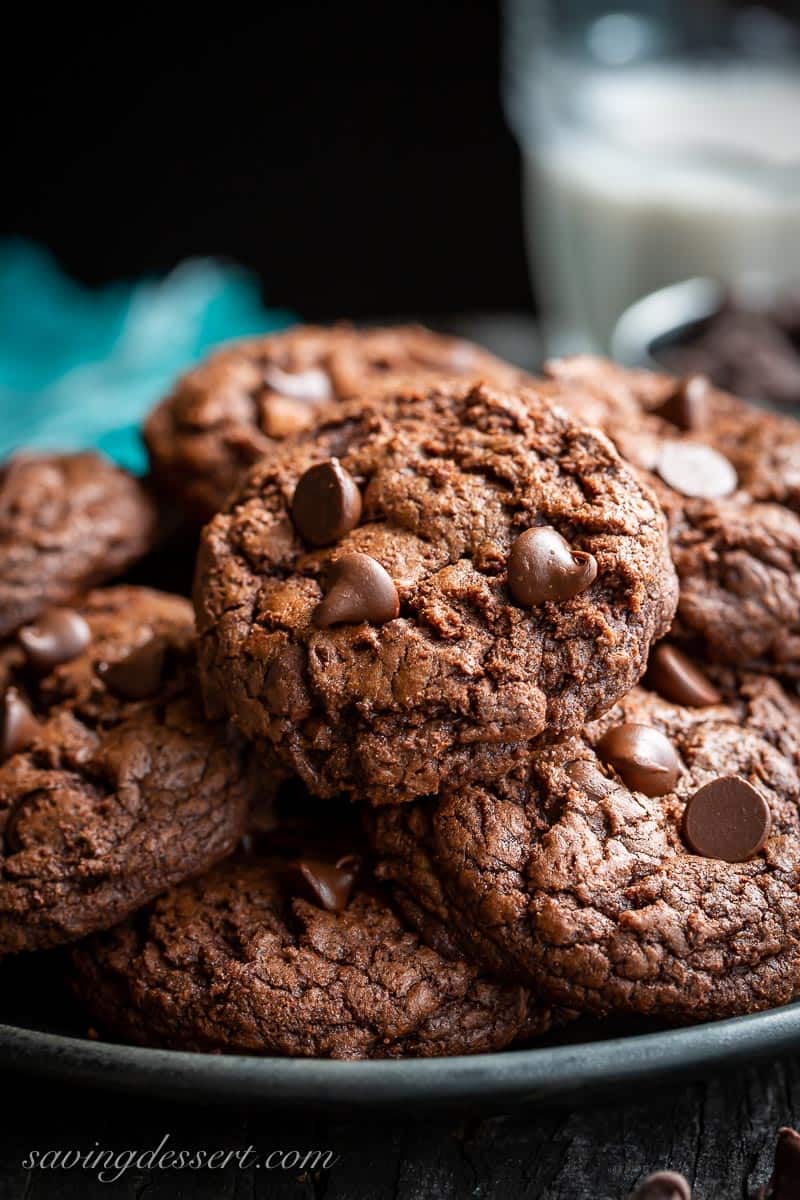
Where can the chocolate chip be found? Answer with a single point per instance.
(327, 884)
(663, 1185)
(687, 407)
(727, 819)
(358, 589)
(643, 758)
(696, 470)
(139, 674)
(542, 566)
(326, 503)
(18, 726)
(676, 678)
(785, 1181)
(312, 385)
(57, 637)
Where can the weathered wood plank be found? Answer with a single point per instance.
(720, 1134)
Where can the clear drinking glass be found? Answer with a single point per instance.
(660, 140)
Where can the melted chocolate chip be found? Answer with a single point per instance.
(643, 758)
(57, 637)
(358, 589)
(676, 678)
(313, 385)
(327, 884)
(727, 819)
(140, 674)
(542, 566)
(687, 407)
(663, 1185)
(18, 726)
(785, 1181)
(696, 470)
(326, 503)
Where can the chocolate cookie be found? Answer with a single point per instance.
(728, 477)
(429, 582)
(67, 522)
(223, 415)
(114, 784)
(762, 446)
(258, 957)
(650, 866)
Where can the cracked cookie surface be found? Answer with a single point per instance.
(223, 415)
(236, 961)
(456, 685)
(738, 555)
(67, 522)
(113, 797)
(564, 878)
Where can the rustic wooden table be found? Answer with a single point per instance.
(720, 1133)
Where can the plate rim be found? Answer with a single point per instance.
(512, 1076)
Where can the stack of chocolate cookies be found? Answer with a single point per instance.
(484, 716)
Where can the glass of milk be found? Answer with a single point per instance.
(660, 140)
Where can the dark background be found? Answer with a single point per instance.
(355, 155)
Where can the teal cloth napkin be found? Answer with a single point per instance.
(81, 367)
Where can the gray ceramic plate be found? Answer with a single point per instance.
(574, 1072)
(43, 1034)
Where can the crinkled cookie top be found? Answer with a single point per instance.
(114, 784)
(601, 873)
(67, 522)
(223, 415)
(728, 477)
(238, 961)
(481, 572)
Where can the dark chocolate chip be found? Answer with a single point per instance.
(642, 757)
(696, 470)
(676, 678)
(785, 1181)
(542, 566)
(327, 884)
(727, 819)
(18, 726)
(57, 637)
(138, 675)
(326, 503)
(358, 589)
(313, 385)
(687, 407)
(663, 1185)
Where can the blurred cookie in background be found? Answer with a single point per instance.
(227, 412)
(67, 523)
